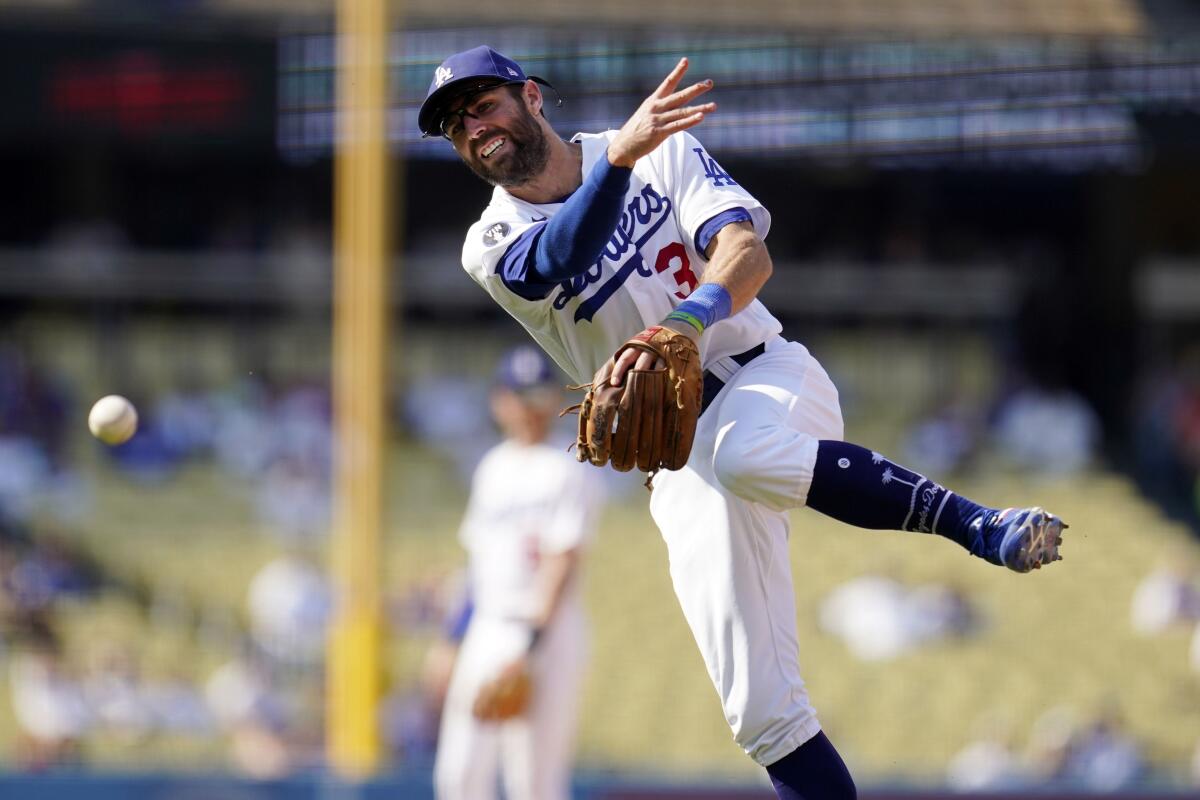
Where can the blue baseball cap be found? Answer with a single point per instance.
(471, 70)
(524, 368)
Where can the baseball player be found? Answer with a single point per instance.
(531, 511)
(590, 241)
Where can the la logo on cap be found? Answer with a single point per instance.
(441, 75)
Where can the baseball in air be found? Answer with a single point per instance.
(113, 419)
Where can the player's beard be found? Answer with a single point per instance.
(523, 157)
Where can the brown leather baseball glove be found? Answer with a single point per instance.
(650, 420)
(505, 696)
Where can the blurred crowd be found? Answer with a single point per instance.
(261, 701)
(880, 617)
(273, 439)
(35, 458)
(1094, 752)
(261, 705)
(1035, 428)
(70, 694)
(1166, 437)
(1167, 603)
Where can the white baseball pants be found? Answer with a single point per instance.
(533, 752)
(724, 519)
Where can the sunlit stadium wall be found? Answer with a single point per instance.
(1060, 103)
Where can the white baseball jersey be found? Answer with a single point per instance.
(649, 265)
(526, 500)
(724, 516)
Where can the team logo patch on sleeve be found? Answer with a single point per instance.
(712, 170)
(496, 233)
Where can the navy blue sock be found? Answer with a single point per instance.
(860, 487)
(813, 771)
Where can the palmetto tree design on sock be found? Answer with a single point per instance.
(889, 476)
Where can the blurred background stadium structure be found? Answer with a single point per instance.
(986, 224)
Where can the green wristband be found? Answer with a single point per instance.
(690, 319)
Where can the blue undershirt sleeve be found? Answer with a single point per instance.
(455, 625)
(516, 268)
(549, 253)
(709, 229)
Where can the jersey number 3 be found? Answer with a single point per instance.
(667, 257)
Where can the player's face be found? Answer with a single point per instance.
(498, 137)
(526, 416)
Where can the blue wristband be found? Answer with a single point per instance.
(709, 304)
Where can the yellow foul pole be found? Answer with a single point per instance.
(361, 256)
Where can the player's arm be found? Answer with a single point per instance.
(738, 266)
(572, 241)
(438, 665)
(738, 262)
(555, 571)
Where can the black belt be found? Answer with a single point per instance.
(713, 384)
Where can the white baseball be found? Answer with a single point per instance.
(113, 419)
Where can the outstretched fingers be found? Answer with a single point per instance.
(673, 77)
(685, 95)
(693, 117)
(676, 114)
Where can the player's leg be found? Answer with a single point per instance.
(732, 575)
(770, 452)
(814, 771)
(537, 749)
(468, 756)
(863, 488)
(731, 572)
(467, 764)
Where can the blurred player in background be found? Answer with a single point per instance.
(531, 512)
(590, 241)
